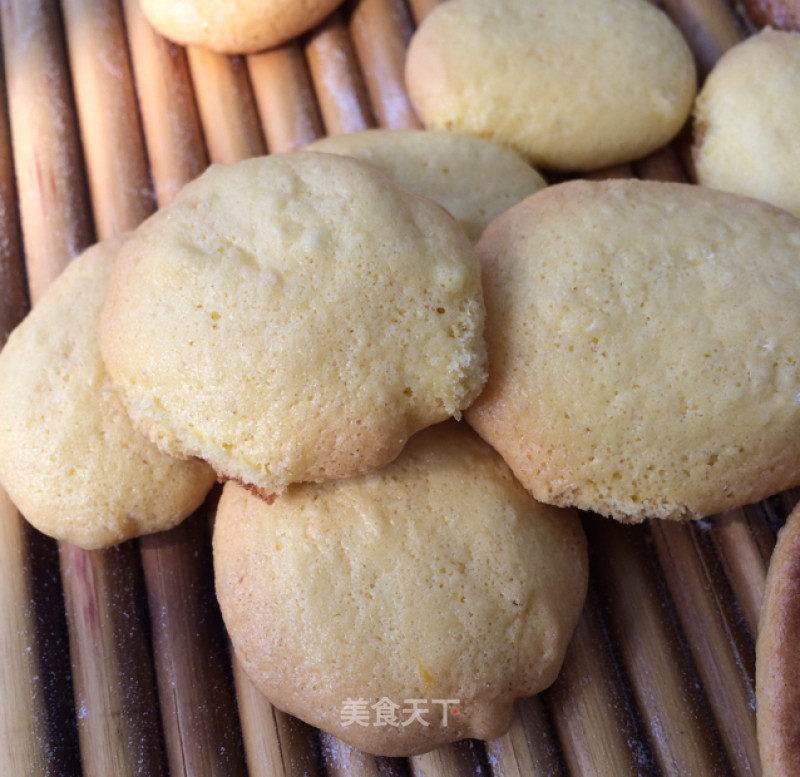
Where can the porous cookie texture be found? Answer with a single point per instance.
(777, 669)
(436, 584)
(69, 457)
(573, 85)
(781, 14)
(235, 26)
(747, 121)
(294, 318)
(644, 357)
(474, 178)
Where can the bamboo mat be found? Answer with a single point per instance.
(116, 662)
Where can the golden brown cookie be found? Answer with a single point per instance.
(572, 85)
(474, 178)
(235, 26)
(69, 456)
(644, 357)
(778, 657)
(294, 318)
(747, 121)
(407, 608)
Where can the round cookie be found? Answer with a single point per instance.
(747, 121)
(549, 80)
(235, 26)
(644, 357)
(782, 14)
(294, 318)
(436, 583)
(69, 457)
(474, 178)
(777, 668)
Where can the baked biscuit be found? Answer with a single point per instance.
(747, 121)
(474, 178)
(643, 350)
(69, 457)
(436, 583)
(235, 26)
(294, 318)
(573, 85)
(777, 668)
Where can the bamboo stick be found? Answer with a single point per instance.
(277, 744)
(663, 685)
(50, 182)
(461, 759)
(726, 667)
(108, 114)
(530, 748)
(169, 114)
(380, 30)
(709, 26)
(596, 727)
(222, 89)
(343, 760)
(287, 105)
(341, 92)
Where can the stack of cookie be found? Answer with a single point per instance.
(310, 327)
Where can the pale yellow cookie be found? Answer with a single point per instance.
(747, 121)
(474, 178)
(644, 350)
(777, 653)
(572, 85)
(436, 584)
(69, 457)
(235, 26)
(294, 318)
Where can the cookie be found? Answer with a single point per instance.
(644, 358)
(294, 318)
(777, 668)
(69, 457)
(747, 121)
(782, 14)
(573, 85)
(406, 608)
(237, 26)
(474, 178)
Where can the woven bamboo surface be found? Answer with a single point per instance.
(116, 662)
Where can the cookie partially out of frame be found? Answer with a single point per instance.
(69, 456)
(294, 318)
(475, 178)
(235, 26)
(777, 650)
(747, 121)
(407, 608)
(644, 355)
(780, 14)
(572, 85)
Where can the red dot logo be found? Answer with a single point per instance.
(454, 710)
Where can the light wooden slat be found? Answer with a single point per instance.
(596, 728)
(201, 725)
(50, 182)
(530, 748)
(172, 132)
(287, 105)
(380, 30)
(277, 744)
(661, 676)
(461, 759)
(709, 26)
(343, 760)
(725, 669)
(108, 114)
(222, 89)
(338, 83)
